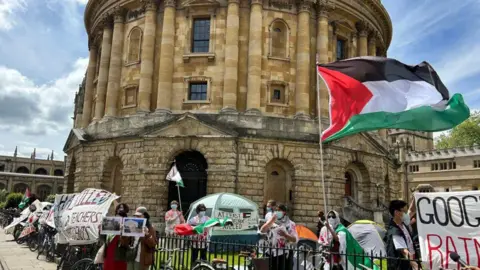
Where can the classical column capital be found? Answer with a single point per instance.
(169, 3)
(304, 6)
(91, 44)
(106, 21)
(234, 1)
(362, 27)
(324, 7)
(118, 14)
(149, 4)
(373, 38)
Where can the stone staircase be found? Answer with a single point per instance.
(353, 211)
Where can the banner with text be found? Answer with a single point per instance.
(241, 221)
(62, 202)
(80, 217)
(448, 222)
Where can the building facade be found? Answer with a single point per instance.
(227, 91)
(42, 176)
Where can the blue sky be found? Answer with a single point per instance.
(43, 56)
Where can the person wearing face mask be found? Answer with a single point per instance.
(115, 245)
(199, 241)
(271, 204)
(282, 235)
(398, 238)
(173, 217)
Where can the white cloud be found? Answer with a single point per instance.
(36, 110)
(8, 8)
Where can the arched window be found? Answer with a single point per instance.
(2, 167)
(134, 45)
(279, 38)
(41, 171)
(43, 191)
(349, 184)
(22, 169)
(20, 188)
(58, 172)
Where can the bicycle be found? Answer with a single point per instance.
(47, 243)
(168, 264)
(85, 264)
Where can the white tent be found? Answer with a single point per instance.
(242, 211)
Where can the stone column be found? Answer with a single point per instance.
(167, 52)
(230, 79)
(362, 38)
(255, 43)
(353, 45)
(372, 45)
(302, 84)
(87, 102)
(115, 71)
(322, 51)
(147, 57)
(104, 66)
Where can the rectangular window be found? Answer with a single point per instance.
(452, 165)
(340, 49)
(414, 168)
(201, 35)
(197, 91)
(476, 164)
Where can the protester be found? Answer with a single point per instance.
(144, 247)
(114, 250)
(320, 223)
(173, 217)
(199, 242)
(398, 238)
(328, 237)
(282, 235)
(271, 204)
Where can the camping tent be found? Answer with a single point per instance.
(369, 235)
(242, 211)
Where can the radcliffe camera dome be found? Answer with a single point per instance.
(227, 90)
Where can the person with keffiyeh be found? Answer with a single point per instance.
(282, 235)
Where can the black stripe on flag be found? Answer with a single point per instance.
(371, 68)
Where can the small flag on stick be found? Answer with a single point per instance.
(26, 198)
(174, 175)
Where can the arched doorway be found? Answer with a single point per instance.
(41, 171)
(43, 191)
(20, 188)
(112, 176)
(22, 169)
(71, 176)
(357, 183)
(192, 166)
(278, 184)
(349, 184)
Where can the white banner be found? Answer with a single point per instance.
(62, 202)
(80, 217)
(448, 222)
(241, 221)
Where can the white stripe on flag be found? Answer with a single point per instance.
(174, 175)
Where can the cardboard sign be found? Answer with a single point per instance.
(448, 222)
(80, 217)
(241, 221)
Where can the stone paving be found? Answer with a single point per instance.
(16, 257)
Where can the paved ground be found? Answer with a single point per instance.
(16, 257)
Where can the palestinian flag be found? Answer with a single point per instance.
(187, 229)
(371, 93)
(25, 200)
(174, 175)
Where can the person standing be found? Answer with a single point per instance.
(271, 205)
(282, 234)
(199, 241)
(398, 239)
(144, 247)
(116, 245)
(173, 217)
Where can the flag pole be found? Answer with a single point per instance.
(320, 137)
(179, 198)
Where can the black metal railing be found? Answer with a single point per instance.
(186, 253)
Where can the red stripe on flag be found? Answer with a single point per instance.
(347, 98)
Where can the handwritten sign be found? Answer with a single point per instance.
(78, 218)
(448, 222)
(241, 221)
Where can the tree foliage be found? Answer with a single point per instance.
(465, 134)
(13, 200)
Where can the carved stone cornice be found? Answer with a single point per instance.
(169, 3)
(304, 6)
(362, 27)
(324, 7)
(118, 14)
(106, 21)
(149, 4)
(234, 1)
(256, 2)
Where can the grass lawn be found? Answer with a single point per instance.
(233, 259)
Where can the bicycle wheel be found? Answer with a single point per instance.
(83, 264)
(203, 266)
(33, 243)
(50, 256)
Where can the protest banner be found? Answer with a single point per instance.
(79, 218)
(62, 202)
(241, 221)
(448, 222)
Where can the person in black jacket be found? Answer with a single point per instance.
(398, 239)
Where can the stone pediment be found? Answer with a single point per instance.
(75, 137)
(188, 125)
(364, 142)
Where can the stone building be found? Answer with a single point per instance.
(227, 89)
(42, 176)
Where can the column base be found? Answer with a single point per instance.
(142, 112)
(228, 110)
(162, 111)
(253, 111)
(301, 116)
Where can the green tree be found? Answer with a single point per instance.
(465, 134)
(13, 200)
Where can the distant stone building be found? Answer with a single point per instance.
(42, 176)
(226, 89)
